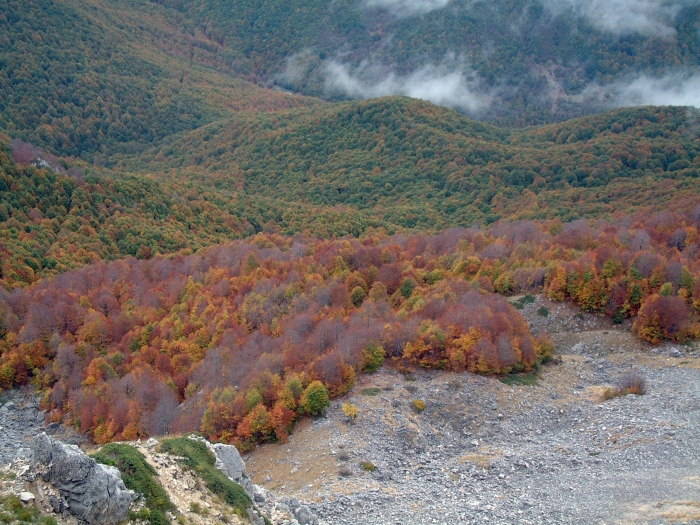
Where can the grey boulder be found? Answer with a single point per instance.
(93, 492)
(229, 461)
(26, 497)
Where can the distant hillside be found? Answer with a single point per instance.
(91, 78)
(52, 222)
(516, 63)
(418, 165)
(342, 169)
(87, 78)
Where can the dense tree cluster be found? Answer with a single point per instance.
(250, 335)
(240, 340)
(52, 221)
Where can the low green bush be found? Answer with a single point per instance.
(368, 466)
(520, 379)
(373, 391)
(15, 511)
(201, 460)
(140, 477)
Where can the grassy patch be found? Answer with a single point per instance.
(455, 384)
(14, 510)
(139, 476)
(480, 460)
(373, 391)
(520, 303)
(520, 379)
(201, 460)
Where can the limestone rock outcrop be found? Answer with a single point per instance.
(90, 491)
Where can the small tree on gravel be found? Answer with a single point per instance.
(372, 357)
(632, 383)
(629, 383)
(314, 399)
(350, 411)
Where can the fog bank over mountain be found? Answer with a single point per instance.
(459, 87)
(454, 87)
(680, 88)
(673, 90)
(407, 7)
(654, 18)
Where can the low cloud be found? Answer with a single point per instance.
(625, 17)
(674, 90)
(440, 84)
(407, 7)
(297, 66)
(678, 89)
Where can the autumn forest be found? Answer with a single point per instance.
(197, 233)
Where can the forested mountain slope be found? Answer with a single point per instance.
(87, 78)
(517, 62)
(375, 229)
(91, 78)
(53, 221)
(252, 334)
(415, 164)
(342, 169)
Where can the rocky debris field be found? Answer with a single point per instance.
(483, 451)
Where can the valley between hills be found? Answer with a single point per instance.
(367, 261)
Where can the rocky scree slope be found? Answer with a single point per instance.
(486, 452)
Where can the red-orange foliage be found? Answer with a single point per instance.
(227, 340)
(661, 318)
